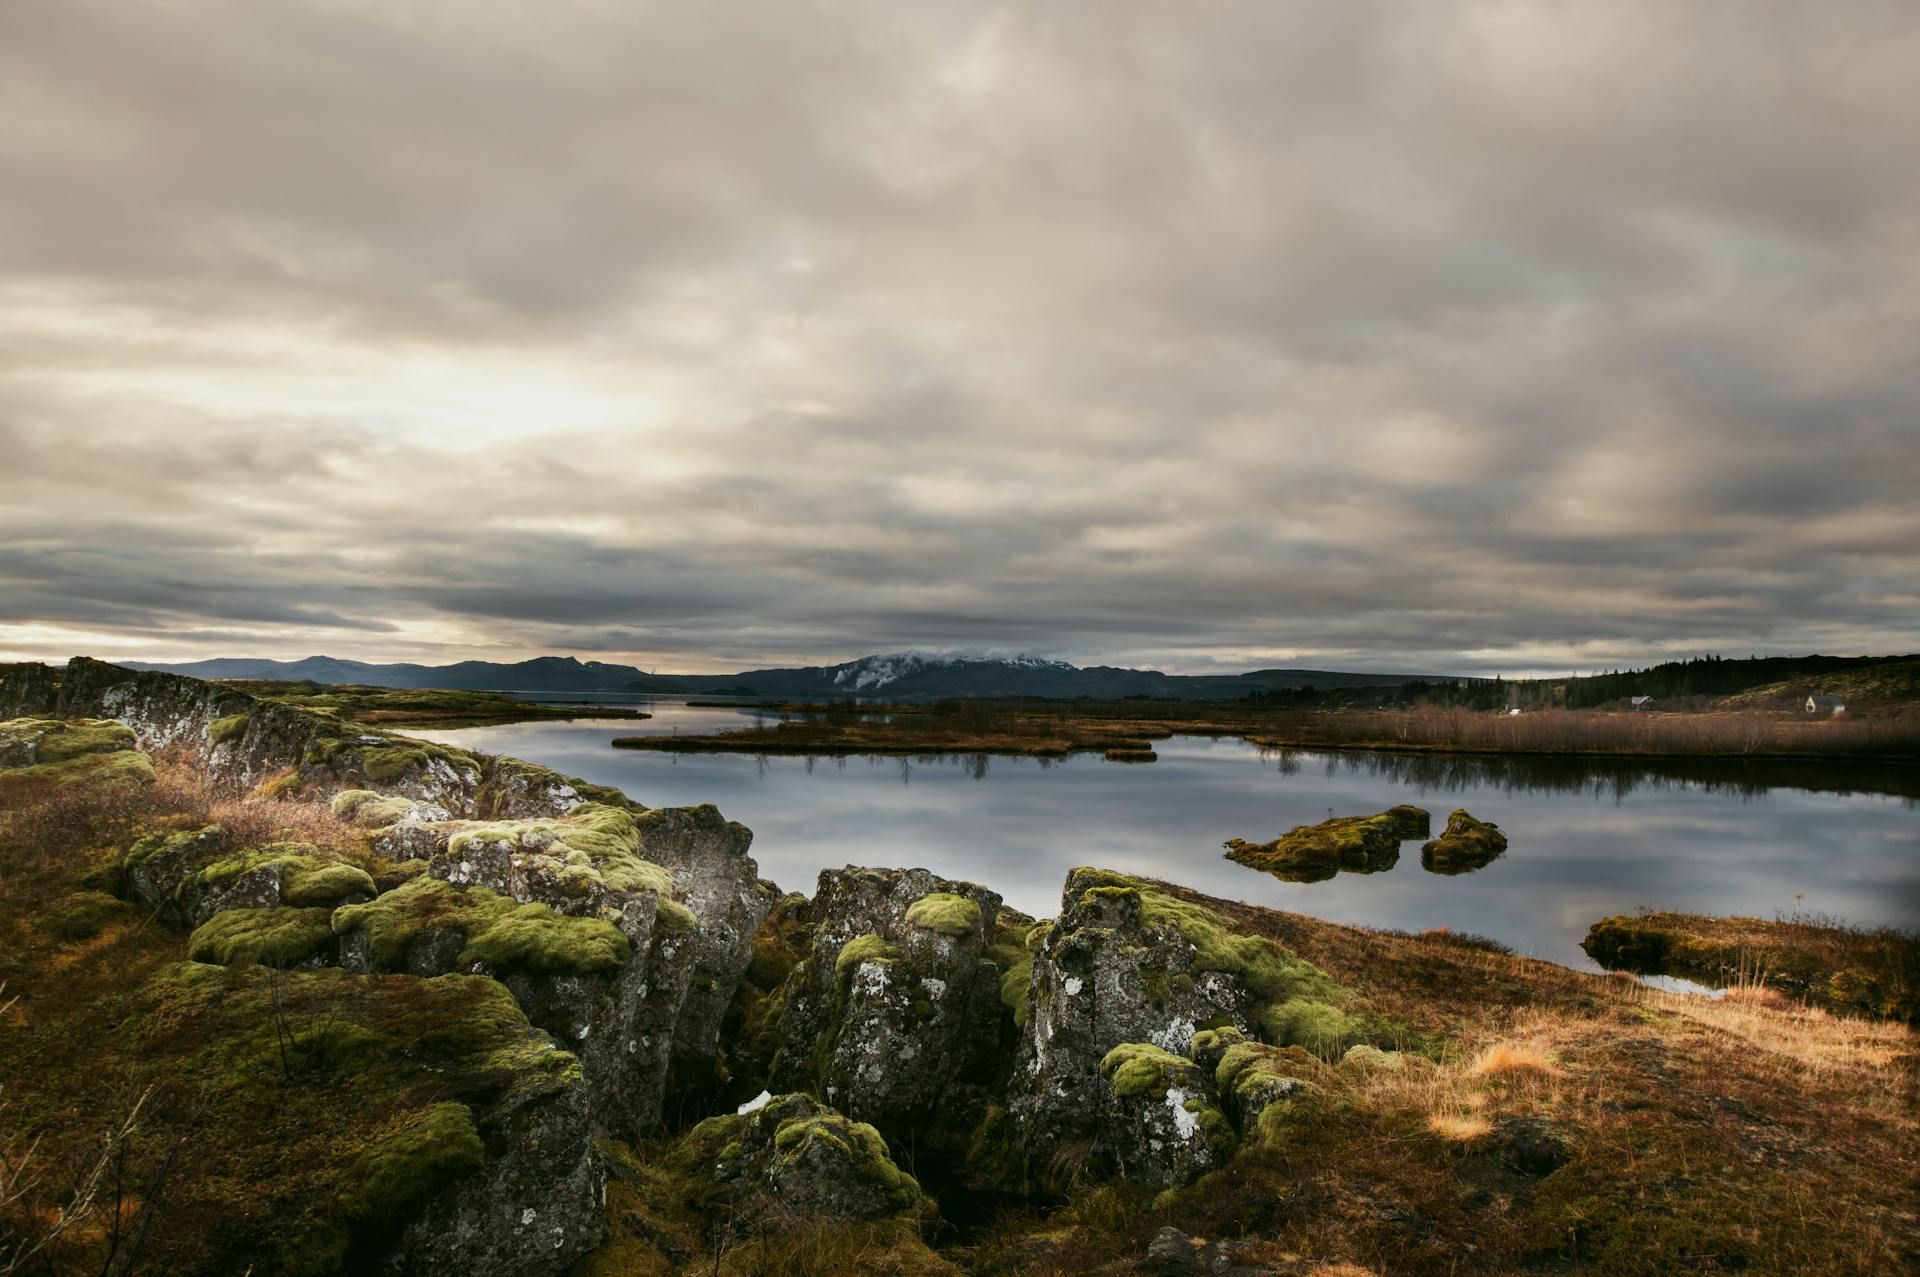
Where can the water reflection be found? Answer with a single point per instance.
(1590, 838)
(1609, 777)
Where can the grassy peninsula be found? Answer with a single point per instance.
(1126, 730)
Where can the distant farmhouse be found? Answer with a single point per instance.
(1641, 702)
(1828, 705)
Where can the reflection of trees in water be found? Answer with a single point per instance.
(1604, 777)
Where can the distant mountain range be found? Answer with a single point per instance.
(898, 676)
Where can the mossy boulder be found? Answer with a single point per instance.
(896, 1010)
(945, 912)
(1131, 962)
(1465, 845)
(372, 1123)
(372, 810)
(1354, 844)
(189, 875)
(1158, 1121)
(428, 926)
(274, 937)
(1262, 1085)
(68, 752)
(790, 1161)
(25, 742)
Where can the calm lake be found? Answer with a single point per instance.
(1587, 839)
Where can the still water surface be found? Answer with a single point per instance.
(1586, 839)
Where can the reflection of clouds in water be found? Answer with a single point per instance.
(1588, 838)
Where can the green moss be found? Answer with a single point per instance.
(384, 764)
(501, 935)
(599, 841)
(403, 1171)
(232, 727)
(1358, 844)
(419, 908)
(52, 740)
(82, 916)
(122, 769)
(1466, 844)
(945, 913)
(1210, 1044)
(271, 937)
(305, 880)
(1141, 1068)
(859, 1143)
(866, 948)
(535, 938)
(368, 809)
(670, 915)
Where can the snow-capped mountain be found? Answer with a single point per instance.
(876, 672)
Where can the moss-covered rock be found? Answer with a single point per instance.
(73, 752)
(1131, 963)
(1158, 1120)
(1263, 1085)
(532, 937)
(372, 1123)
(896, 1011)
(191, 874)
(275, 937)
(414, 926)
(372, 810)
(25, 742)
(792, 1161)
(1465, 845)
(1355, 844)
(946, 913)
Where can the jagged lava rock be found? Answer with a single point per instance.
(897, 1004)
(1127, 962)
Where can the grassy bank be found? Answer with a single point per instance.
(1057, 728)
(1849, 969)
(421, 707)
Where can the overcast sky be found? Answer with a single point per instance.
(713, 335)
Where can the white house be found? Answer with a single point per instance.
(1641, 702)
(1828, 705)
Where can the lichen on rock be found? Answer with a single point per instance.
(1133, 967)
(792, 1158)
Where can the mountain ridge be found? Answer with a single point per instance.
(895, 675)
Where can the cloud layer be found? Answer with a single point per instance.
(1471, 336)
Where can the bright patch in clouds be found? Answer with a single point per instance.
(1422, 335)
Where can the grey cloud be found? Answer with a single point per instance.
(1450, 336)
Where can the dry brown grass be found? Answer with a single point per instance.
(1460, 1128)
(1513, 1061)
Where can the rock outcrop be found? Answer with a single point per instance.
(1465, 845)
(897, 1004)
(1130, 967)
(792, 1158)
(1351, 844)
